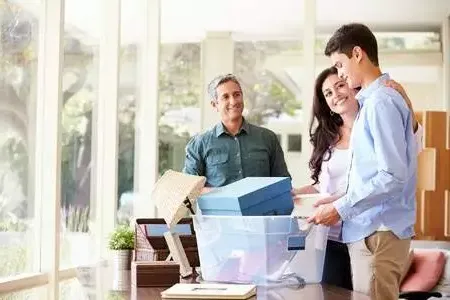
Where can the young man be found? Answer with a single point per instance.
(378, 209)
(233, 149)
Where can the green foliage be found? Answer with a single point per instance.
(14, 260)
(13, 225)
(264, 93)
(122, 238)
(75, 218)
(180, 73)
(116, 295)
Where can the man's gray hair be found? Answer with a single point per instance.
(221, 79)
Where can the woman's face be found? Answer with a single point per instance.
(339, 96)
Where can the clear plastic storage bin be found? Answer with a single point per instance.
(262, 250)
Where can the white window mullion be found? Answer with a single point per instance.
(48, 135)
(147, 111)
(217, 57)
(309, 63)
(105, 127)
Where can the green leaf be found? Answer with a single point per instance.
(122, 238)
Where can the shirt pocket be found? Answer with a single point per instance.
(217, 159)
(217, 168)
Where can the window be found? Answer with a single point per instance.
(128, 91)
(79, 89)
(294, 142)
(18, 61)
(279, 138)
(179, 112)
(269, 96)
(179, 94)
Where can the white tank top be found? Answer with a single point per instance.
(333, 177)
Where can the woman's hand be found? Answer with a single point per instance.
(307, 189)
(399, 88)
(329, 199)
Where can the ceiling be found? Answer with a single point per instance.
(285, 17)
(188, 20)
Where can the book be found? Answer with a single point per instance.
(209, 291)
(304, 204)
(304, 208)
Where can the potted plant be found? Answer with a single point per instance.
(121, 242)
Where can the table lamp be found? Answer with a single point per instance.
(175, 195)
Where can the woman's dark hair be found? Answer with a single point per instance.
(323, 128)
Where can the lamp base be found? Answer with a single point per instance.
(177, 253)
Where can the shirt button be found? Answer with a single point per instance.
(240, 172)
(238, 154)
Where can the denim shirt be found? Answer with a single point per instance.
(381, 191)
(223, 158)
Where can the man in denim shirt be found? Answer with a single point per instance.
(378, 209)
(233, 149)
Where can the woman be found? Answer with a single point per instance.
(334, 111)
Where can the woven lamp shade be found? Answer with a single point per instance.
(175, 195)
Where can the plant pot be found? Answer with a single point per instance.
(122, 259)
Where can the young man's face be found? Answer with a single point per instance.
(348, 68)
(229, 101)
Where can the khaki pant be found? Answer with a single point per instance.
(377, 264)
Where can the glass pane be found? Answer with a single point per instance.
(37, 293)
(179, 94)
(80, 86)
(273, 97)
(101, 281)
(18, 65)
(72, 289)
(270, 95)
(295, 142)
(131, 41)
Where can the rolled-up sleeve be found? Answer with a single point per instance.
(193, 163)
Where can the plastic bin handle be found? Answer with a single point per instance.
(296, 243)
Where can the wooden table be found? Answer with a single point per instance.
(99, 282)
(310, 292)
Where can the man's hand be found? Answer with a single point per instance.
(206, 190)
(325, 214)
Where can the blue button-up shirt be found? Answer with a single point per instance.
(381, 188)
(223, 158)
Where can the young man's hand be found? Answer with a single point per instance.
(325, 214)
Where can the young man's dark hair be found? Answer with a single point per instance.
(351, 35)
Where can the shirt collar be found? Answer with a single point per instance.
(366, 92)
(220, 128)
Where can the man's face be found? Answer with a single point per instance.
(229, 101)
(348, 68)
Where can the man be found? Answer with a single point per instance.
(233, 149)
(378, 210)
